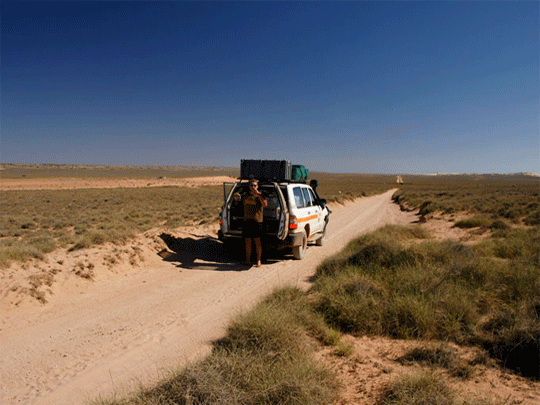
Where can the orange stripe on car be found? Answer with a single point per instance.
(307, 218)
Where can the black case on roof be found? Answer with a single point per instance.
(265, 170)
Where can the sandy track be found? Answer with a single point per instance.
(130, 330)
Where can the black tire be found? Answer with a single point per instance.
(299, 252)
(322, 240)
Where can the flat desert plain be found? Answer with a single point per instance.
(142, 316)
(73, 183)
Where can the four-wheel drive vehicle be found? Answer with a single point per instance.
(295, 214)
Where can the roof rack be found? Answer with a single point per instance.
(272, 170)
(267, 181)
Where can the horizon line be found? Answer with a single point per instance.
(532, 174)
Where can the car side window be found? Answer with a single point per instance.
(313, 198)
(298, 197)
(307, 197)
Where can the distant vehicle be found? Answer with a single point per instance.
(295, 213)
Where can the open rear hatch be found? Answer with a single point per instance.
(276, 215)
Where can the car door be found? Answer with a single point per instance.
(314, 212)
(232, 214)
(283, 214)
(225, 212)
(305, 211)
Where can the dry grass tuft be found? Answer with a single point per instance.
(486, 294)
(264, 359)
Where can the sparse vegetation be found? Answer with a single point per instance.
(418, 389)
(514, 198)
(264, 359)
(33, 223)
(474, 222)
(424, 389)
(486, 295)
(338, 187)
(439, 355)
(397, 282)
(47, 171)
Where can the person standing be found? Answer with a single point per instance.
(254, 204)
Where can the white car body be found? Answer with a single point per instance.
(294, 216)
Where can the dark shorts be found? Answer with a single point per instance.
(252, 229)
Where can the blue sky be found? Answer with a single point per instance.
(355, 87)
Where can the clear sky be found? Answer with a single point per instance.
(356, 87)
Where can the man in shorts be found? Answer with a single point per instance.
(254, 204)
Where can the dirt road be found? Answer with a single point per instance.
(128, 330)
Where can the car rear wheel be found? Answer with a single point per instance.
(300, 251)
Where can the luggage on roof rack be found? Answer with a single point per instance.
(299, 173)
(265, 170)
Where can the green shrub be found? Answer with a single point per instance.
(265, 330)
(297, 303)
(32, 247)
(419, 389)
(13, 250)
(424, 388)
(499, 225)
(43, 243)
(500, 228)
(350, 302)
(473, 222)
(522, 244)
(237, 378)
(381, 248)
(89, 239)
(533, 218)
(343, 350)
(432, 354)
(486, 294)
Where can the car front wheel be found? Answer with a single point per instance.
(321, 241)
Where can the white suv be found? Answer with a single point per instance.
(295, 214)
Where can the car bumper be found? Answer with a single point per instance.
(290, 240)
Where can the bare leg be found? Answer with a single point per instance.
(258, 247)
(248, 250)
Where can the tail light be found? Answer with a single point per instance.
(293, 222)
